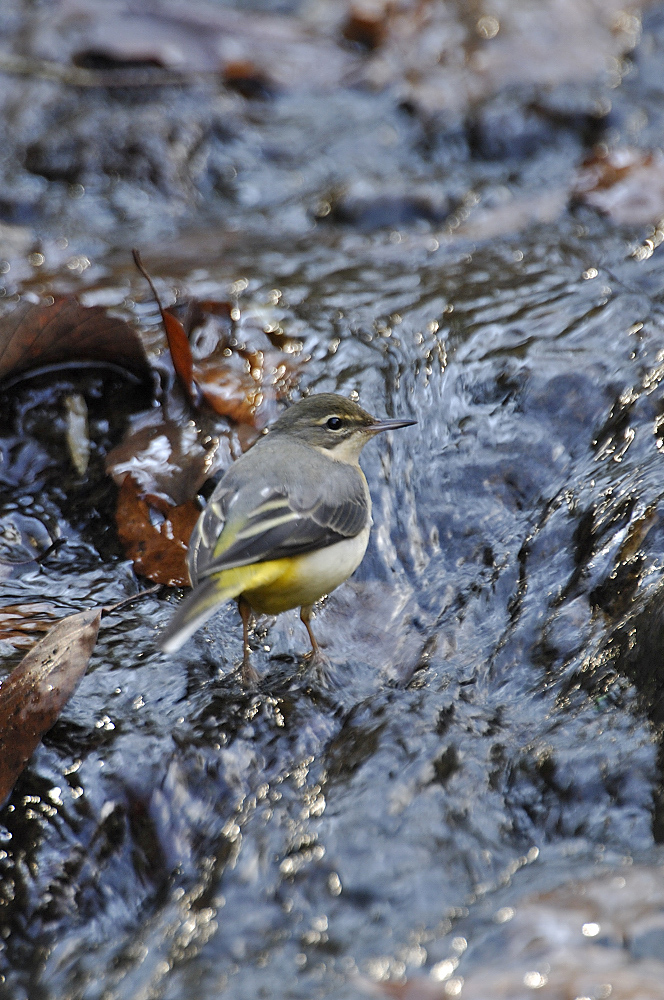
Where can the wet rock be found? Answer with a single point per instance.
(368, 209)
(507, 128)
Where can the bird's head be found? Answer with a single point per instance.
(333, 424)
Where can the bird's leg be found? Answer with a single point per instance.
(249, 674)
(305, 618)
(319, 664)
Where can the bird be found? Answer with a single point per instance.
(286, 524)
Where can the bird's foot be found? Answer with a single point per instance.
(320, 669)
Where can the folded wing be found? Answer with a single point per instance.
(233, 533)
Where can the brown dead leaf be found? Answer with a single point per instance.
(180, 350)
(155, 535)
(626, 184)
(170, 458)
(367, 25)
(240, 373)
(35, 336)
(230, 393)
(35, 693)
(239, 379)
(247, 78)
(178, 343)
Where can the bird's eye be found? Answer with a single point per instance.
(335, 423)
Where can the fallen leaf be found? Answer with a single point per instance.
(34, 694)
(366, 25)
(180, 350)
(626, 184)
(230, 393)
(245, 77)
(178, 342)
(238, 370)
(155, 535)
(38, 336)
(170, 458)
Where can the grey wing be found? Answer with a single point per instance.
(206, 533)
(278, 525)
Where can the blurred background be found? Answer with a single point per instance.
(127, 120)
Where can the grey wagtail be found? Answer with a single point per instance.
(287, 523)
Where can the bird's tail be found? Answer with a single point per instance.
(200, 605)
(208, 596)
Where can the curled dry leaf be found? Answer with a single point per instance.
(178, 343)
(35, 693)
(155, 535)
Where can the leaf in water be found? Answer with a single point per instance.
(230, 393)
(178, 345)
(35, 336)
(169, 459)
(367, 25)
(35, 693)
(241, 374)
(155, 535)
(178, 342)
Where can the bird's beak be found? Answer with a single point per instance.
(389, 425)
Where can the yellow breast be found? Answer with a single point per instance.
(303, 580)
